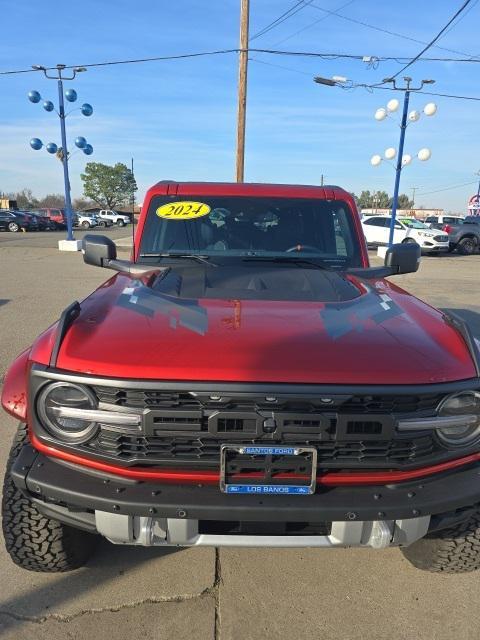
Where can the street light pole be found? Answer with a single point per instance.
(66, 177)
(80, 142)
(402, 160)
(398, 170)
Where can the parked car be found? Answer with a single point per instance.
(472, 220)
(57, 216)
(120, 219)
(85, 220)
(103, 222)
(17, 221)
(438, 222)
(44, 222)
(465, 237)
(377, 231)
(247, 380)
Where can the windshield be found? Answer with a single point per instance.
(230, 227)
(413, 224)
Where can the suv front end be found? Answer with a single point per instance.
(144, 462)
(280, 394)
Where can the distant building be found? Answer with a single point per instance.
(6, 203)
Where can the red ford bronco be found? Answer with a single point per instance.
(246, 379)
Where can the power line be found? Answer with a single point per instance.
(309, 26)
(275, 52)
(372, 87)
(298, 6)
(271, 25)
(432, 42)
(353, 85)
(382, 30)
(133, 61)
(280, 66)
(455, 186)
(464, 15)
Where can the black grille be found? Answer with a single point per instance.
(185, 430)
(391, 404)
(146, 399)
(205, 452)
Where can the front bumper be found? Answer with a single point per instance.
(133, 512)
(437, 247)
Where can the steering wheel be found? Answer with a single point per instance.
(304, 247)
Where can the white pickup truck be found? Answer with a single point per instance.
(119, 219)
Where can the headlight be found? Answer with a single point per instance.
(464, 407)
(60, 407)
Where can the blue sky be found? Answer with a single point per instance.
(177, 119)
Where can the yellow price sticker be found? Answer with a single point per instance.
(183, 210)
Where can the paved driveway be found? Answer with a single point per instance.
(242, 594)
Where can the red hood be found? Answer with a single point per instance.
(383, 336)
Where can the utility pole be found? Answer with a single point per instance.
(242, 89)
(413, 196)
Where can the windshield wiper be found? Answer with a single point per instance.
(284, 260)
(183, 256)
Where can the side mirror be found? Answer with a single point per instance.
(98, 250)
(403, 258)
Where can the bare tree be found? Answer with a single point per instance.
(25, 199)
(52, 200)
(80, 204)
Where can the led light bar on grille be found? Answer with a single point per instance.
(104, 417)
(438, 422)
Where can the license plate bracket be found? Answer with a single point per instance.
(267, 470)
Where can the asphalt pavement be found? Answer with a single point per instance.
(230, 594)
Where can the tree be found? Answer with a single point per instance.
(25, 199)
(365, 200)
(80, 204)
(404, 202)
(108, 185)
(54, 200)
(382, 200)
(375, 200)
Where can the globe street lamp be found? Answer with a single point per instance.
(80, 142)
(403, 160)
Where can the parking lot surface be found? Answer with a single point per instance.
(231, 593)
(49, 239)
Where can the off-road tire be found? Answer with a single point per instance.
(454, 550)
(467, 246)
(35, 542)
